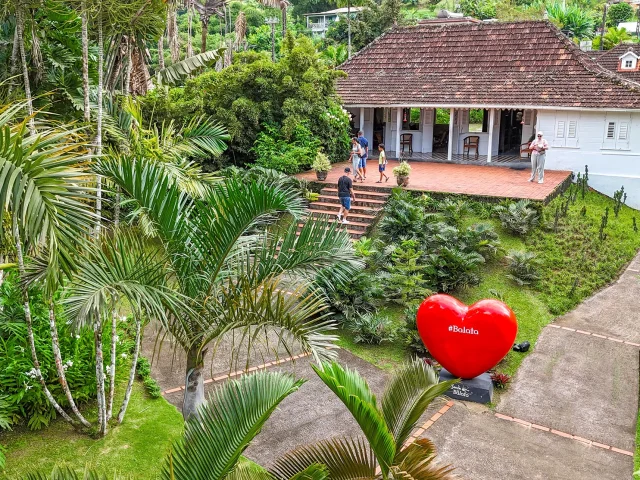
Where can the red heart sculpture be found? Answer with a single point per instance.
(467, 341)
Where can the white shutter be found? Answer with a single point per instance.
(572, 131)
(573, 127)
(622, 142)
(392, 119)
(527, 117)
(560, 129)
(464, 121)
(427, 116)
(560, 133)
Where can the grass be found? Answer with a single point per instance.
(138, 445)
(636, 457)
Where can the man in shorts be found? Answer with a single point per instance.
(364, 143)
(345, 194)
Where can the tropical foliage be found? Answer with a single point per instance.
(275, 113)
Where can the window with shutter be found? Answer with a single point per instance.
(611, 130)
(573, 129)
(560, 129)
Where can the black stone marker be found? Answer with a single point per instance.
(478, 389)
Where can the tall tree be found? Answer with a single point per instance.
(237, 282)
(207, 8)
(20, 10)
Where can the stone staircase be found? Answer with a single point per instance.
(364, 211)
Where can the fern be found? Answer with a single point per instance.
(518, 217)
(522, 267)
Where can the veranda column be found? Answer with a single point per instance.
(490, 143)
(450, 142)
(362, 119)
(398, 128)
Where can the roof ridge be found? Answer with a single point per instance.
(590, 65)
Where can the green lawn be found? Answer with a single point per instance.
(138, 445)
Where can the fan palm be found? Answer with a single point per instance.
(239, 275)
(387, 427)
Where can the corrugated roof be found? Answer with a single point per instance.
(517, 63)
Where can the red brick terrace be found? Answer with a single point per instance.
(474, 180)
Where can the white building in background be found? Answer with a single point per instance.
(320, 22)
(415, 89)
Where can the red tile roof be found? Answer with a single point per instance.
(610, 59)
(517, 64)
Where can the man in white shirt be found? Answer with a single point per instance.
(538, 149)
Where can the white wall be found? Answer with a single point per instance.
(612, 162)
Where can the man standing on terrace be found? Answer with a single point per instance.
(364, 143)
(538, 149)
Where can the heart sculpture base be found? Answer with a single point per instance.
(478, 389)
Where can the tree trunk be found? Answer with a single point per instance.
(25, 67)
(85, 62)
(102, 411)
(14, 59)
(172, 32)
(30, 336)
(284, 21)
(132, 373)
(99, 125)
(204, 18)
(127, 80)
(189, 29)
(161, 52)
(112, 370)
(55, 343)
(349, 28)
(194, 384)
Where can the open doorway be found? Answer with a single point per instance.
(441, 130)
(510, 131)
(378, 127)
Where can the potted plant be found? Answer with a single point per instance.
(401, 173)
(321, 165)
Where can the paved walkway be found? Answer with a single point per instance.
(476, 180)
(570, 413)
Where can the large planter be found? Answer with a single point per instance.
(403, 181)
(322, 175)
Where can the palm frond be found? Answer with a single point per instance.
(42, 186)
(355, 393)
(228, 422)
(122, 266)
(407, 395)
(249, 471)
(178, 71)
(67, 473)
(416, 463)
(345, 459)
(198, 138)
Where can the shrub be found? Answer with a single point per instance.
(405, 216)
(402, 170)
(500, 380)
(289, 156)
(143, 368)
(483, 239)
(23, 399)
(371, 328)
(518, 217)
(450, 268)
(353, 298)
(618, 13)
(405, 282)
(321, 163)
(453, 210)
(522, 267)
(409, 332)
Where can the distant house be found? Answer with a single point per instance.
(622, 59)
(416, 88)
(320, 22)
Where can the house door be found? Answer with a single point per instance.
(378, 127)
(510, 131)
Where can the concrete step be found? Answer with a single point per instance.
(352, 225)
(360, 218)
(366, 202)
(332, 208)
(369, 186)
(353, 233)
(327, 191)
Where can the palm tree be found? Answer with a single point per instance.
(44, 197)
(387, 427)
(348, 4)
(21, 7)
(239, 275)
(207, 8)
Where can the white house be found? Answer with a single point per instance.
(320, 22)
(415, 89)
